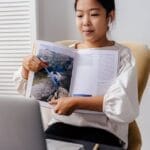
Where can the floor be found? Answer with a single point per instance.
(143, 119)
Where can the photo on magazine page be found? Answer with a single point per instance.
(53, 81)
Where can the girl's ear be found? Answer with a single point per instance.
(111, 17)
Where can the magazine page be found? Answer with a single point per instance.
(55, 79)
(94, 72)
(87, 72)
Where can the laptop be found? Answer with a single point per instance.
(20, 124)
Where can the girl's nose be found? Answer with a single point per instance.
(86, 21)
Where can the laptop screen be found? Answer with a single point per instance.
(20, 124)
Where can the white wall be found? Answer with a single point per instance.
(53, 22)
(133, 20)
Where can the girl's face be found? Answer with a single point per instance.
(91, 20)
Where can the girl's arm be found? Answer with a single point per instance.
(20, 77)
(94, 103)
(24, 73)
(121, 99)
(67, 105)
(19, 81)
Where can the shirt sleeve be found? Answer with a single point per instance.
(121, 99)
(20, 82)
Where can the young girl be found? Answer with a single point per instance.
(118, 107)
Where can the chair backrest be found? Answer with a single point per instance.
(142, 57)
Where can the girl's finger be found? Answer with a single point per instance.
(37, 60)
(44, 64)
(53, 102)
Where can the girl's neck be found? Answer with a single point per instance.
(89, 44)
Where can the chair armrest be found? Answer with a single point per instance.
(134, 137)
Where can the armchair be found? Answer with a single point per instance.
(142, 57)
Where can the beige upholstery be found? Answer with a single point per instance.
(142, 57)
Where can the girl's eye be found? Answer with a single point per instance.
(79, 16)
(94, 14)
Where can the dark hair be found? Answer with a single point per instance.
(109, 5)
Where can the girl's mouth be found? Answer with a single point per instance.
(87, 32)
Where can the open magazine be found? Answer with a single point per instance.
(71, 72)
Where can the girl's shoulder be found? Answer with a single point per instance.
(124, 51)
(74, 44)
(121, 47)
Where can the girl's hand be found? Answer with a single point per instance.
(64, 105)
(32, 63)
(67, 105)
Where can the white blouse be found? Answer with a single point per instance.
(120, 104)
